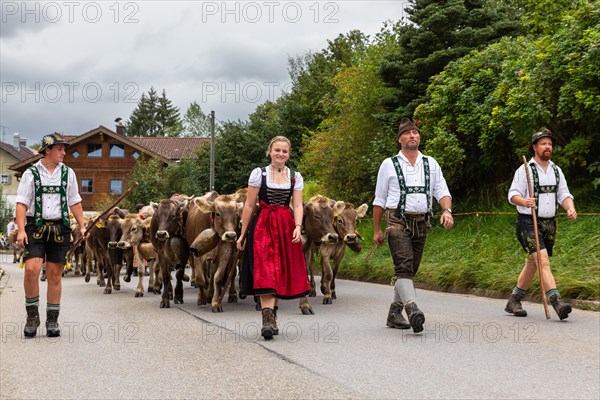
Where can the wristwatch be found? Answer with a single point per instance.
(447, 209)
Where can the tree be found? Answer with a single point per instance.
(439, 31)
(154, 116)
(195, 122)
(345, 151)
(482, 110)
(152, 187)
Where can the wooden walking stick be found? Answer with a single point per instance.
(537, 241)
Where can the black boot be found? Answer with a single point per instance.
(33, 321)
(268, 319)
(52, 328)
(395, 318)
(415, 316)
(562, 309)
(275, 327)
(514, 305)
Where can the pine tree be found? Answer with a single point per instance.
(439, 31)
(154, 116)
(195, 122)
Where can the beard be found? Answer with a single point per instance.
(546, 155)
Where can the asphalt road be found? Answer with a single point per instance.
(120, 347)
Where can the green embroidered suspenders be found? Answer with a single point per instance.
(537, 189)
(405, 190)
(41, 189)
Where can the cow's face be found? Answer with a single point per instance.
(225, 215)
(345, 218)
(133, 231)
(113, 224)
(318, 220)
(170, 219)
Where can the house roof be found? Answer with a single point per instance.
(171, 148)
(165, 149)
(22, 154)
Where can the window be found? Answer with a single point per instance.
(116, 186)
(135, 155)
(116, 151)
(75, 154)
(5, 179)
(94, 150)
(87, 186)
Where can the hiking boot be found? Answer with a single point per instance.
(33, 321)
(415, 316)
(52, 328)
(395, 319)
(268, 319)
(275, 327)
(562, 309)
(514, 305)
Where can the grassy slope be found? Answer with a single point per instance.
(481, 252)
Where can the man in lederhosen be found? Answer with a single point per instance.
(46, 192)
(406, 184)
(550, 190)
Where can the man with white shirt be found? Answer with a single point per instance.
(406, 184)
(550, 190)
(46, 192)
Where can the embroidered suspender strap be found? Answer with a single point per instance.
(405, 190)
(40, 189)
(292, 185)
(537, 189)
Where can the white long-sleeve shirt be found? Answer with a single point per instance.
(387, 190)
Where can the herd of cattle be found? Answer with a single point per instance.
(201, 232)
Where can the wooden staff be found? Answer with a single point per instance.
(93, 222)
(537, 241)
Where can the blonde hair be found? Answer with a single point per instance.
(278, 139)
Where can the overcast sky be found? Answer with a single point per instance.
(70, 66)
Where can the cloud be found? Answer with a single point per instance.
(71, 66)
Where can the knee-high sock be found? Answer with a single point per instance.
(406, 290)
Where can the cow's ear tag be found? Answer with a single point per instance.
(99, 225)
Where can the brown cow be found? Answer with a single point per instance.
(16, 247)
(225, 215)
(78, 252)
(318, 229)
(345, 218)
(97, 250)
(167, 234)
(196, 223)
(135, 232)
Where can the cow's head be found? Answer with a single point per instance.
(225, 215)
(148, 211)
(318, 220)
(345, 218)
(170, 218)
(134, 230)
(113, 224)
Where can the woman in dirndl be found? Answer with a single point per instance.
(274, 267)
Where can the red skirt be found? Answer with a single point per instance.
(279, 265)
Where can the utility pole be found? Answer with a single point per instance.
(212, 152)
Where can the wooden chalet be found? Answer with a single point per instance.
(103, 160)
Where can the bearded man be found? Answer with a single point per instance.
(550, 190)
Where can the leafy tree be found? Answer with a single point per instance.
(482, 110)
(151, 185)
(195, 122)
(302, 109)
(438, 32)
(154, 116)
(345, 151)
